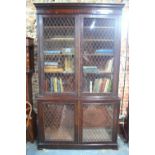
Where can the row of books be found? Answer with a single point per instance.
(90, 69)
(54, 85)
(71, 50)
(64, 50)
(100, 85)
(94, 69)
(54, 67)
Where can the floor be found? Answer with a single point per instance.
(123, 149)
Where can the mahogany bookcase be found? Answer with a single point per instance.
(79, 57)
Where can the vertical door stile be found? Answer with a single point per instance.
(115, 121)
(78, 72)
(76, 76)
(40, 55)
(117, 55)
(81, 74)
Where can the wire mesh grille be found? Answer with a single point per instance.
(97, 55)
(97, 123)
(59, 122)
(59, 54)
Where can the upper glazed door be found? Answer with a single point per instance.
(98, 50)
(58, 55)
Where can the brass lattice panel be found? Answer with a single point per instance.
(59, 122)
(97, 55)
(97, 123)
(59, 54)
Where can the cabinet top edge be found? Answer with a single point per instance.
(72, 5)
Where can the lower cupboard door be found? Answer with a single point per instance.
(97, 122)
(59, 122)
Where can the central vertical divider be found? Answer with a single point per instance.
(81, 74)
(77, 49)
(78, 28)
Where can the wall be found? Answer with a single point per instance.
(124, 65)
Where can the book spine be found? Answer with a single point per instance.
(106, 85)
(46, 84)
(109, 66)
(95, 86)
(104, 51)
(109, 86)
(51, 63)
(66, 66)
(51, 85)
(61, 86)
(52, 52)
(102, 86)
(58, 86)
(91, 87)
(55, 85)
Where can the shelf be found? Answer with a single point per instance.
(98, 40)
(58, 27)
(98, 73)
(59, 39)
(64, 73)
(61, 54)
(99, 27)
(99, 54)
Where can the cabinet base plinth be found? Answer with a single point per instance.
(77, 146)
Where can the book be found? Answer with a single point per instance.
(46, 84)
(55, 85)
(51, 63)
(108, 66)
(102, 85)
(51, 85)
(104, 51)
(90, 69)
(68, 64)
(67, 50)
(49, 67)
(96, 86)
(61, 86)
(52, 52)
(99, 85)
(53, 70)
(58, 86)
(90, 86)
(107, 86)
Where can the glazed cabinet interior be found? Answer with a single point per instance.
(78, 50)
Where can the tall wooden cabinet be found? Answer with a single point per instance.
(79, 54)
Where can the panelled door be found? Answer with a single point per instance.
(98, 49)
(99, 121)
(58, 55)
(57, 121)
